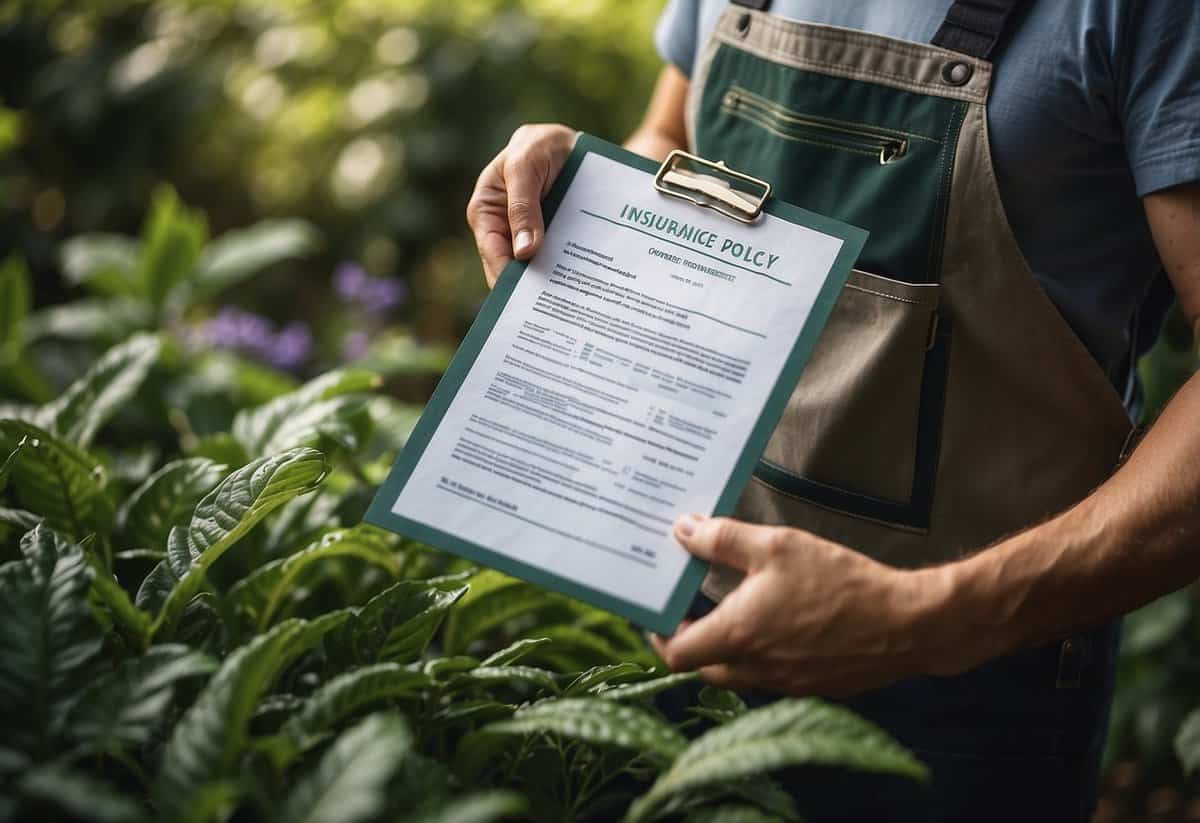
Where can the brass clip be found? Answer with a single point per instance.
(712, 186)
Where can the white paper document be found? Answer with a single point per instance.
(618, 386)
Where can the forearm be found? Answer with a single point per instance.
(652, 144)
(662, 129)
(1135, 538)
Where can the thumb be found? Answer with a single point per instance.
(524, 183)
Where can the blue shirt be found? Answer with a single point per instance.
(1093, 104)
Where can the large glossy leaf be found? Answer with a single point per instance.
(224, 515)
(1187, 743)
(9, 461)
(260, 594)
(329, 407)
(207, 743)
(601, 722)
(242, 253)
(57, 480)
(172, 240)
(90, 319)
(785, 733)
(350, 782)
(77, 795)
(600, 675)
(131, 622)
(646, 688)
(398, 623)
(16, 299)
(493, 600)
(166, 499)
(540, 679)
(88, 403)
(49, 642)
(514, 652)
(349, 693)
(124, 708)
(484, 807)
(104, 263)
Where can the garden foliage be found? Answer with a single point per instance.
(196, 626)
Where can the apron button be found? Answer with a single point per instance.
(743, 25)
(957, 73)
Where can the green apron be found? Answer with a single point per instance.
(948, 403)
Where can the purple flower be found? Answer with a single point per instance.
(376, 295)
(348, 281)
(255, 335)
(291, 348)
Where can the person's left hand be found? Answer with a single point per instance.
(810, 617)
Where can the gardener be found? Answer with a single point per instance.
(979, 396)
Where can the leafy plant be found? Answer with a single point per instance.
(195, 624)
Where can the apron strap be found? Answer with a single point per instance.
(974, 27)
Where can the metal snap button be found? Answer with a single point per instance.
(743, 25)
(957, 73)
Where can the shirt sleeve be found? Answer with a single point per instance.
(1160, 105)
(676, 33)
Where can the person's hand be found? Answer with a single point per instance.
(505, 210)
(810, 617)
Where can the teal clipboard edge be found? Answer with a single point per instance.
(666, 621)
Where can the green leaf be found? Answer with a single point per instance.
(600, 675)
(261, 594)
(207, 743)
(398, 623)
(237, 255)
(57, 480)
(510, 654)
(134, 624)
(166, 499)
(646, 688)
(1153, 626)
(9, 462)
(1187, 743)
(350, 782)
(111, 382)
(601, 722)
(79, 795)
(225, 514)
(124, 709)
(49, 642)
(493, 600)
(90, 319)
(105, 263)
(16, 300)
(18, 519)
(730, 813)
(171, 243)
(483, 807)
(784, 733)
(330, 407)
(510, 675)
(347, 694)
(719, 705)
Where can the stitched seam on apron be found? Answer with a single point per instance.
(889, 296)
(797, 139)
(784, 111)
(884, 523)
(840, 70)
(936, 248)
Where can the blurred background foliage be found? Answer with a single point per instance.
(370, 119)
(282, 183)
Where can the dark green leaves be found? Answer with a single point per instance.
(785, 733)
(1187, 743)
(398, 623)
(16, 300)
(349, 784)
(166, 499)
(49, 643)
(229, 511)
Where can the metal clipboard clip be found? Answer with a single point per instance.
(712, 186)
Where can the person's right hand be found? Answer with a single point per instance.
(505, 210)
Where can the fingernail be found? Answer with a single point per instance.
(685, 526)
(524, 240)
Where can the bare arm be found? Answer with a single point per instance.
(812, 616)
(662, 129)
(1135, 538)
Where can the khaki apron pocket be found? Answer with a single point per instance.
(861, 431)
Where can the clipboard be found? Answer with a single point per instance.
(710, 186)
